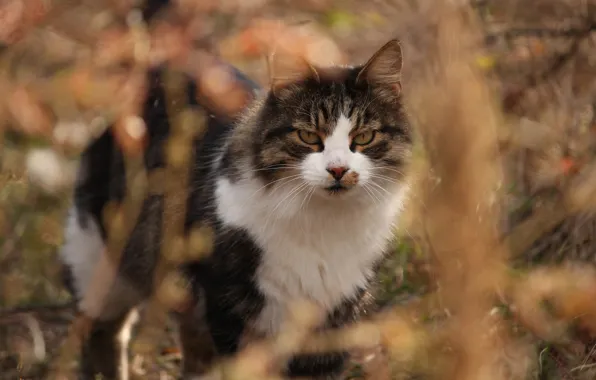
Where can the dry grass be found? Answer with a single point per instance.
(484, 282)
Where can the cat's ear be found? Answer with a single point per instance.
(384, 67)
(286, 67)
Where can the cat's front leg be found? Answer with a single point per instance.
(332, 365)
(209, 333)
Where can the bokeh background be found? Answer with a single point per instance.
(492, 274)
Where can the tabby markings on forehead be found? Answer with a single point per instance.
(337, 145)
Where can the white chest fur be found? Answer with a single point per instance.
(317, 249)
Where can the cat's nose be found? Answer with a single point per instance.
(337, 171)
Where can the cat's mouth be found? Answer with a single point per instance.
(336, 188)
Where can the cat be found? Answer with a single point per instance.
(302, 191)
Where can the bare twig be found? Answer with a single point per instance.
(35, 309)
(579, 196)
(184, 128)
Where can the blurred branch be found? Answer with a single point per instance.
(569, 32)
(185, 126)
(578, 196)
(7, 315)
(121, 219)
(458, 216)
(512, 97)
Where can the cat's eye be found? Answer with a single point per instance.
(309, 138)
(364, 138)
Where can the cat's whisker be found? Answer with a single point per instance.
(304, 188)
(282, 180)
(384, 178)
(380, 187)
(369, 191)
(365, 188)
(285, 167)
(377, 196)
(309, 193)
(295, 190)
(292, 192)
(380, 196)
(382, 175)
(390, 169)
(384, 167)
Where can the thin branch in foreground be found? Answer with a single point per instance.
(7, 315)
(578, 196)
(185, 127)
(121, 219)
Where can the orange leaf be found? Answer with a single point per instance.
(538, 47)
(170, 351)
(568, 165)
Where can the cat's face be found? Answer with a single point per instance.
(337, 132)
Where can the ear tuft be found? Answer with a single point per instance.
(286, 67)
(384, 67)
